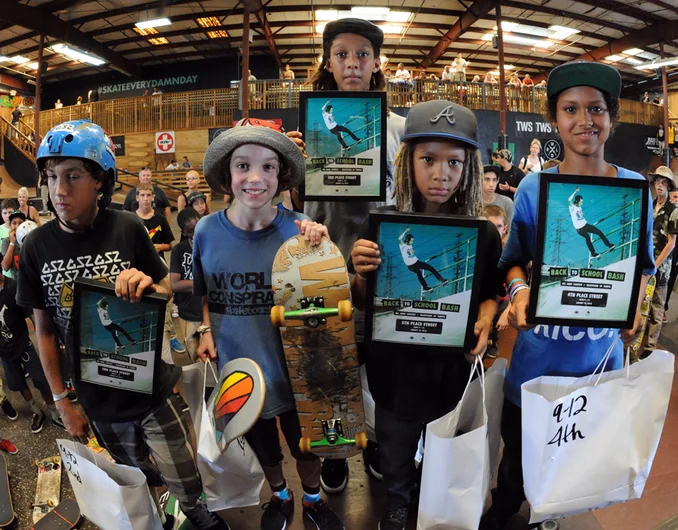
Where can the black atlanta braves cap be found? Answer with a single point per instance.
(440, 118)
(370, 31)
(584, 73)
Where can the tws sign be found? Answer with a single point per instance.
(533, 128)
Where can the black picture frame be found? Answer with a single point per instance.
(333, 173)
(571, 286)
(98, 360)
(399, 312)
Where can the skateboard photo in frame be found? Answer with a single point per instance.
(119, 343)
(586, 269)
(345, 135)
(425, 292)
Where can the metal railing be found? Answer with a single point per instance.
(214, 108)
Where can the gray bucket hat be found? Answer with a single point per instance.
(224, 144)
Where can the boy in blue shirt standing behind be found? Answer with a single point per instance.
(233, 252)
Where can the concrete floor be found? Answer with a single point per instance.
(361, 504)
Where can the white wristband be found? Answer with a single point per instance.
(59, 397)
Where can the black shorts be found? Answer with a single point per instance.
(28, 363)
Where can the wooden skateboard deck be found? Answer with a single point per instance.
(7, 514)
(237, 400)
(64, 517)
(48, 491)
(320, 350)
(637, 344)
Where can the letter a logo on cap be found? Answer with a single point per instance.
(447, 113)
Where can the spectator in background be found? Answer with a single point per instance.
(160, 202)
(433, 77)
(79, 100)
(402, 75)
(287, 73)
(646, 98)
(198, 201)
(16, 114)
(388, 74)
(186, 164)
(93, 95)
(489, 78)
(490, 197)
(58, 104)
(193, 183)
(173, 166)
(542, 83)
(527, 80)
(660, 137)
(459, 67)
(447, 73)
(509, 175)
(532, 163)
(250, 76)
(29, 211)
(476, 79)
(515, 81)
(146, 93)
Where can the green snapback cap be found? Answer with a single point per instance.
(584, 73)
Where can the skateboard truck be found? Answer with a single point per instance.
(333, 436)
(313, 312)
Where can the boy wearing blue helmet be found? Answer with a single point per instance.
(87, 240)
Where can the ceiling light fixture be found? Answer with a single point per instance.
(507, 26)
(155, 41)
(18, 59)
(391, 29)
(326, 14)
(398, 16)
(562, 32)
(671, 61)
(153, 23)
(379, 13)
(77, 55)
(632, 51)
(528, 42)
(633, 60)
(613, 58)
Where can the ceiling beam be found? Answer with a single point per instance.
(628, 10)
(664, 5)
(34, 19)
(664, 31)
(259, 11)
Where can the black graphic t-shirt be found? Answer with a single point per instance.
(13, 330)
(665, 223)
(181, 262)
(513, 177)
(52, 259)
(159, 231)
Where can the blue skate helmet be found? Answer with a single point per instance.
(81, 139)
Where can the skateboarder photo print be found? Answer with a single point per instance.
(345, 144)
(424, 293)
(588, 234)
(119, 342)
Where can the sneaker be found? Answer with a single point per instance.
(322, 516)
(169, 522)
(492, 351)
(371, 458)
(176, 345)
(8, 447)
(394, 519)
(175, 311)
(595, 255)
(58, 422)
(8, 409)
(276, 513)
(334, 475)
(665, 319)
(428, 289)
(202, 519)
(38, 422)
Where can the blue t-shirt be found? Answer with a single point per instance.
(556, 350)
(232, 267)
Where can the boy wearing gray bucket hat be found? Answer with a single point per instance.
(233, 252)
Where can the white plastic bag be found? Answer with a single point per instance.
(230, 479)
(589, 442)
(461, 453)
(112, 496)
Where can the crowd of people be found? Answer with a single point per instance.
(434, 166)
